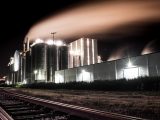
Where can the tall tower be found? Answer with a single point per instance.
(46, 55)
(39, 62)
(82, 52)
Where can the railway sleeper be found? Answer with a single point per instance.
(12, 104)
(33, 117)
(27, 112)
(17, 106)
(19, 109)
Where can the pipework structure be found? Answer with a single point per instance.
(40, 59)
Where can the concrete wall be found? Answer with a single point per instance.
(103, 71)
(85, 73)
(140, 66)
(59, 76)
(154, 64)
(70, 75)
(139, 63)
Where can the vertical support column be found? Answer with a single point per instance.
(57, 52)
(115, 65)
(76, 74)
(147, 65)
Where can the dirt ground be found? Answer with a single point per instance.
(139, 104)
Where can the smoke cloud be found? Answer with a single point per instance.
(94, 18)
(149, 48)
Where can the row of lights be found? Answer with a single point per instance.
(49, 42)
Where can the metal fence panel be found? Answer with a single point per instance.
(129, 68)
(104, 71)
(59, 76)
(85, 73)
(70, 74)
(154, 64)
(135, 65)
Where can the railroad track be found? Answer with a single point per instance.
(16, 106)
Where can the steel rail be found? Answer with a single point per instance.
(73, 109)
(4, 115)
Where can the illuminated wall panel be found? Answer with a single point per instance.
(131, 73)
(104, 71)
(140, 62)
(85, 73)
(154, 64)
(70, 75)
(59, 76)
(129, 68)
(82, 52)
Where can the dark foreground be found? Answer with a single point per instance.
(139, 104)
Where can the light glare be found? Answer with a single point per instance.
(7, 82)
(59, 43)
(131, 73)
(24, 82)
(130, 64)
(85, 76)
(35, 71)
(49, 42)
(38, 41)
(59, 78)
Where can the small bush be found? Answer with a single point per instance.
(139, 84)
(5, 85)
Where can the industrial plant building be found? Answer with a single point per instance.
(129, 68)
(41, 58)
(82, 52)
(58, 62)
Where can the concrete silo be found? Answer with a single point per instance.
(39, 62)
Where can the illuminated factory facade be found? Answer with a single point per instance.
(129, 68)
(45, 57)
(82, 52)
(40, 59)
(54, 61)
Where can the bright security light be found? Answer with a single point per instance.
(39, 41)
(130, 64)
(71, 52)
(77, 52)
(131, 73)
(59, 78)
(7, 82)
(35, 71)
(59, 43)
(85, 76)
(50, 42)
(24, 82)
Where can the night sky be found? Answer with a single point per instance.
(18, 17)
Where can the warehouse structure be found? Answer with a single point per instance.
(55, 61)
(129, 68)
(41, 58)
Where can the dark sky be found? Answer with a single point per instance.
(16, 18)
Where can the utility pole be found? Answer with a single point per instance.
(51, 61)
(53, 33)
(57, 52)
